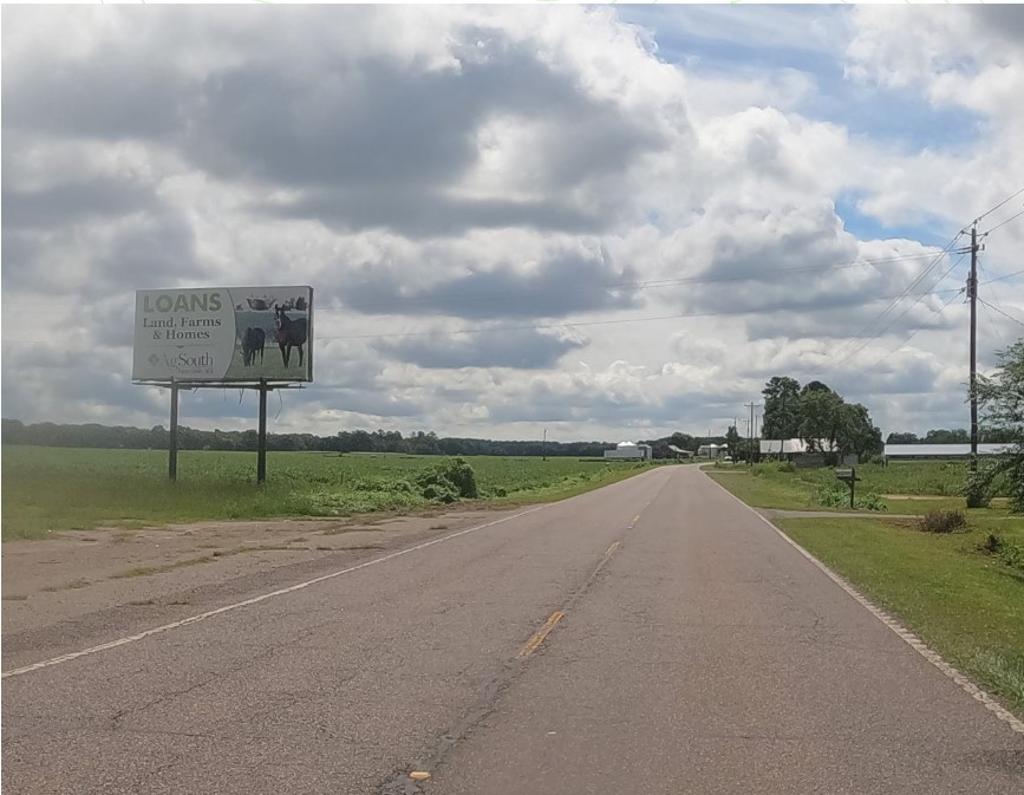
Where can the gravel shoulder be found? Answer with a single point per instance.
(81, 583)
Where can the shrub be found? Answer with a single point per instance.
(1007, 551)
(832, 495)
(870, 502)
(447, 481)
(786, 466)
(944, 522)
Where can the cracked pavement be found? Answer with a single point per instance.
(698, 653)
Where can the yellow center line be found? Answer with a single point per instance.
(538, 637)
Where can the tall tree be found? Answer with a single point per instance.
(732, 438)
(1002, 401)
(822, 417)
(857, 433)
(781, 408)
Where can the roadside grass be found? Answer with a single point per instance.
(900, 486)
(47, 490)
(967, 605)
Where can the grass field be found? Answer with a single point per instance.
(771, 486)
(964, 601)
(52, 489)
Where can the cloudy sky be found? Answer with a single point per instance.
(612, 222)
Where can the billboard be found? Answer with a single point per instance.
(224, 334)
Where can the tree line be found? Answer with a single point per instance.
(816, 414)
(48, 434)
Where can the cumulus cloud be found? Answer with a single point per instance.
(437, 170)
(521, 349)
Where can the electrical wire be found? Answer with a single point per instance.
(1002, 223)
(650, 284)
(907, 291)
(565, 324)
(991, 210)
(913, 334)
(1003, 276)
(894, 320)
(1018, 321)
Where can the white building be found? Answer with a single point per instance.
(940, 451)
(713, 450)
(787, 447)
(630, 450)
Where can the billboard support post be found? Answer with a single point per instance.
(261, 444)
(172, 447)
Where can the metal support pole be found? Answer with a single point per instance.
(172, 447)
(261, 444)
(853, 484)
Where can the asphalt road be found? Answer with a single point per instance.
(654, 636)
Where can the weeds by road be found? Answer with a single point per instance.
(52, 489)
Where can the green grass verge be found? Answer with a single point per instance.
(51, 489)
(771, 486)
(967, 605)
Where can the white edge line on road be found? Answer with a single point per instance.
(262, 597)
(961, 679)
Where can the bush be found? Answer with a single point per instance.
(944, 522)
(786, 466)
(1008, 552)
(448, 481)
(870, 502)
(832, 495)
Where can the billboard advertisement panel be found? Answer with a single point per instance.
(224, 334)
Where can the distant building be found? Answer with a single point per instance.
(789, 447)
(713, 450)
(630, 450)
(911, 451)
(679, 452)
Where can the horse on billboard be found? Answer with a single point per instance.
(252, 343)
(290, 334)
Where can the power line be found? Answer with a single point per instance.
(991, 210)
(902, 345)
(899, 317)
(1003, 276)
(565, 324)
(650, 284)
(641, 285)
(1002, 223)
(1018, 321)
(881, 316)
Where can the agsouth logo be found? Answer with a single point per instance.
(185, 361)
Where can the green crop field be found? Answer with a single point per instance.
(51, 489)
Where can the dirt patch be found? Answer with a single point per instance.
(74, 574)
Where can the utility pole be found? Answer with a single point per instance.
(972, 291)
(750, 435)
